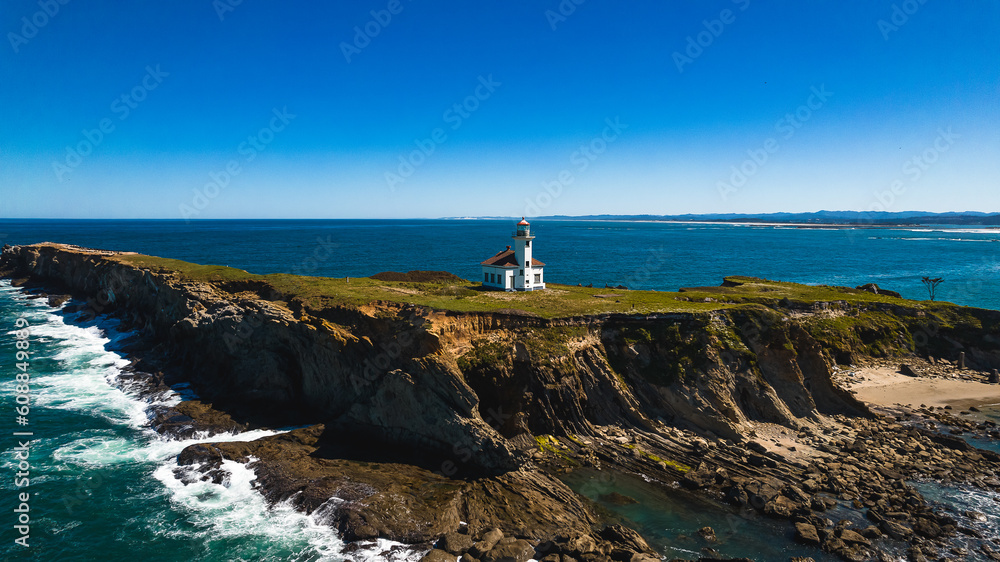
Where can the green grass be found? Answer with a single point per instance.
(554, 302)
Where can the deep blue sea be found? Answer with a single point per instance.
(101, 485)
(642, 255)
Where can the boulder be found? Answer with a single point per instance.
(895, 530)
(780, 507)
(875, 289)
(489, 540)
(455, 543)
(579, 545)
(437, 555)
(518, 550)
(926, 528)
(853, 538)
(621, 536)
(806, 533)
(908, 370)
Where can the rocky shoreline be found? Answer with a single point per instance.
(456, 444)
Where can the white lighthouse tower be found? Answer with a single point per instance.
(515, 269)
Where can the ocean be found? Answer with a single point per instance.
(101, 484)
(640, 255)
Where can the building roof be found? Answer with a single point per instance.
(506, 258)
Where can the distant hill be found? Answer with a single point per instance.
(854, 218)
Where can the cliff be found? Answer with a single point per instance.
(426, 380)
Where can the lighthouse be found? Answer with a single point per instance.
(515, 269)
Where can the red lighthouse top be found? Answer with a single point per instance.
(523, 222)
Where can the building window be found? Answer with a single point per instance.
(486, 278)
(493, 278)
(527, 263)
(538, 278)
(527, 243)
(522, 273)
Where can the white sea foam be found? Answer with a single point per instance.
(234, 508)
(231, 518)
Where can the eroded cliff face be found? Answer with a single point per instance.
(478, 386)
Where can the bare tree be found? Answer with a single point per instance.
(931, 285)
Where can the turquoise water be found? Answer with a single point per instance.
(104, 486)
(670, 520)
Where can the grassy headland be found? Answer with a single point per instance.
(556, 301)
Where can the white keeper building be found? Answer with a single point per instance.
(515, 269)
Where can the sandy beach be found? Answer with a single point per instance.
(886, 386)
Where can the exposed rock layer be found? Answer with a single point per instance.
(433, 417)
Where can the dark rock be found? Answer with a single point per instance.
(455, 543)
(875, 289)
(619, 535)
(780, 507)
(579, 545)
(806, 533)
(58, 300)
(871, 532)
(908, 370)
(989, 552)
(926, 528)
(486, 543)
(708, 534)
(852, 537)
(438, 556)
(518, 550)
(896, 530)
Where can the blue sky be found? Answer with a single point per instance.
(215, 110)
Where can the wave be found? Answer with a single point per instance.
(233, 508)
(74, 371)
